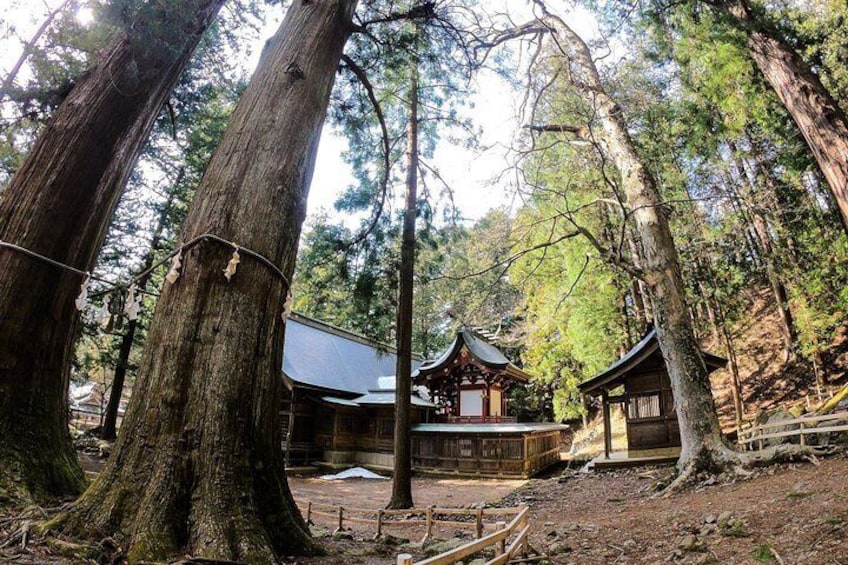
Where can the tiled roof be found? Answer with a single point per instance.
(323, 356)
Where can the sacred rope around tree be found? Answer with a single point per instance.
(132, 303)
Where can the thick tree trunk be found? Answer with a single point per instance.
(59, 204)
(402, 480)
(198, 467)
(820, 119)
(703, 444)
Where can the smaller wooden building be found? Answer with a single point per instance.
(639, 381)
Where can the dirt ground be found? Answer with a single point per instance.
(787, 514)
(426, 491)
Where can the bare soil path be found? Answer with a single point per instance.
(792, 514)
(786, 514)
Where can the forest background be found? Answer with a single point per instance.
(750, 209)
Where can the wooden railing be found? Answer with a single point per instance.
(429, 518)
(518, 527)
(801, 427)
(479, 419)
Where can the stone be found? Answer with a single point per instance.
(558, 548)
(708, 529)
(389, 539)
(629, 543)
(689, 543)
(710, 519)
(724, 518)
(319, 532)
(435, 547)
(342, 535)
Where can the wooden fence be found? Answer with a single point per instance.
(800, 427)
(519, 527)
(473, 519)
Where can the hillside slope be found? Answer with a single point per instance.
(767, 380)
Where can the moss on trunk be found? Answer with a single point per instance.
(198, 466)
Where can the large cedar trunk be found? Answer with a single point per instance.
(59, 204)
(198, 467)
(700, 433)
(402, 480)
(821, 121)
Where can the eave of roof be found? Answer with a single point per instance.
(640, 352)
(481, 350)
(387, 397)
(489, 428)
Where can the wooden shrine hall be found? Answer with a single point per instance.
(470, 381)
(639, 382)
(340, 407)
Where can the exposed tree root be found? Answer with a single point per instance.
(724, 461)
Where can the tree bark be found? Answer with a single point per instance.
(703, 445)
(402, 480)
(820, 119)
(198, 467)
(59, 204)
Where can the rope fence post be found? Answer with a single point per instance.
(802, 436)
(309, 513)
(500, 546)
(404, 559)
(341, 519)
(379, 523)
(479, 523)
(429, 524)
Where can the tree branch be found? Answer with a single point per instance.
(360, 74)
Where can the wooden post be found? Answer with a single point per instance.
(429, 530)
(479, 523)
(801, 435)
(379, 523)
(341, 519)
(607, 424)
(309, 512)
(500, 546)
(521, 508)
(404, 559)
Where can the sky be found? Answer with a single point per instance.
(475, 175)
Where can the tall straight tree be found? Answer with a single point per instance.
(58, 205)
(198, 467)
(700, 433)
(402, 480)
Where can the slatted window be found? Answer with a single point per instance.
(466, 447)
(647, 406)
